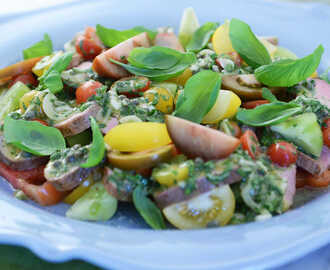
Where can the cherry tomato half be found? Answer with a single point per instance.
(322, 180)
(250, 143)
(326, 132)
(282, 153)
(87, 48)
(26, 78)
(131, 86)
(86, 90)
(254, 103)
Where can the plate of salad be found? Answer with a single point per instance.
(200, 146)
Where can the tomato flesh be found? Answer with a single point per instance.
(326, 132)
(86, 90)
(250, 143)
(322, 180)
(131, 86)
(254, 103)
(282, 153)
(87, 48)
(26, 78)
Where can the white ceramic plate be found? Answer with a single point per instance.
(124, 242)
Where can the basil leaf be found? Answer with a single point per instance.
(267, 94)
(154, 58)
(41, 48)
(161, 74)
(288, 72)
(247, 45)
(51, 78)
(199, 96)
(147, 209)
(268, 114)
(111, 37)
(201, 37)
(325, 75)
(97, 149)
(33, 137)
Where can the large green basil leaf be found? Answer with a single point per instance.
(199, 96)
(201, 37)
(268, 114)
(97, 149)
(33, 137)
(288, 72)
(247, 45)
(41, 48)
(111, 37)
(147, 209)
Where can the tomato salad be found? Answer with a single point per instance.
(212, 127)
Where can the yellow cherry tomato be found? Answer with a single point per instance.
(225, 106)
(78, 192)
(171, 174)
(221, 41)
(182, 78)
(25, 100)
(213, 208)
(138, 136)
(44, 64)
(161, 97)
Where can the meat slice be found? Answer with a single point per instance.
(102, 65)
(168, 40)
(288, 174)
(17, 159)
(176, 194)
(78, 122)
(322, 92)
(315, 166)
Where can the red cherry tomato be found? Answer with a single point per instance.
(86, 90)
(326, 132)
(250, 143)
(322, 180)
(254, 103)
(87, 48)
(282, 153)
(131, 86)
(41, 122)
(26, 78)
(90, 33)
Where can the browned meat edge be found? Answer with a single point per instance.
(314, 166)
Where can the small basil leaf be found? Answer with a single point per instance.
(97, 149)
(147, 209)
(325, 75)
(247, 45)
(33, 137)
(288, 72)
(200, 94)
(154, 58)
(267, 94)
(268, 114)
(161, 74)
(111, 37)
(51, 78)
(201, 37)
(41, 48)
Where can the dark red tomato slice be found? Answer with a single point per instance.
(131, 86)
(26, 78)
(322, 180)
(250, 143)
(87, 48)
(254, 103)
(86, 90)
(282, 153)
(326, 132)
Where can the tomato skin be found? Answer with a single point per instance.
(250, 143)
(42, 122)
(131, 86)
(326, 132)
(86, 90)
(26, 78)
(254, 103)
(282, 153)
(87, 48)
(319, 181)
